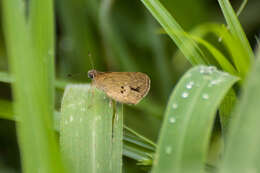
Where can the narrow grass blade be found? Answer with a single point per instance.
(86, 131)
(33, 87)
(188, 47)
(236, 28)
(243, 140)
(189, 117)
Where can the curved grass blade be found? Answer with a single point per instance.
(86, 127)
(243, 139)
(189, 117)
(188, 47)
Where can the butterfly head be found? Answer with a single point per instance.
(92, 73)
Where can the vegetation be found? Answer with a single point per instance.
(201, 114)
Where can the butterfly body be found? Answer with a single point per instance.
(124, 87)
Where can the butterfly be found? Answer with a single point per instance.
(124, 87)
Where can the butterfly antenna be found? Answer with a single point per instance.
(91, 60)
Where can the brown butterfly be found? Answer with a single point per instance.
(124, 87)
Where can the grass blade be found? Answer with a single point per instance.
(236, 28)
(33, 89)
(189, 117)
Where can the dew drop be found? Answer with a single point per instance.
(190, 85)
(202, 70)
(185, 95)
(207, 70)
(174, 105)
(172, 120)
(168, 150)
(205, 96)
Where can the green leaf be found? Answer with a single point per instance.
(243, 139)
(189, 117)
(87, 120)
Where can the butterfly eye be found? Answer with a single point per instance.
(91, 75)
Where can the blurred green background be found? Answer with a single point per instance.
(121, 36)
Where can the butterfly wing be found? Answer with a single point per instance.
(124, 87)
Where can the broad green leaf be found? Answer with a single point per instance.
(90, 131)
(188, 120)
(243, 139)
